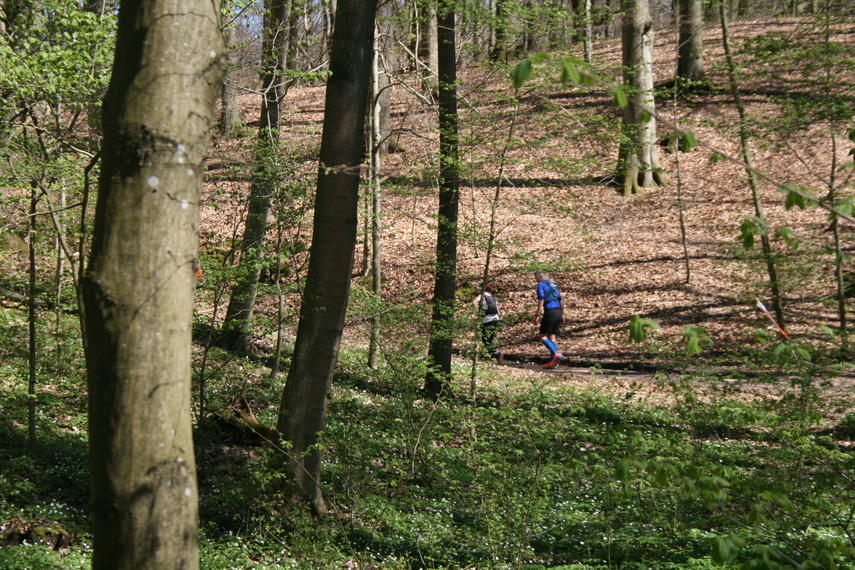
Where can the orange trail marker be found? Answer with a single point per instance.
(762, 307)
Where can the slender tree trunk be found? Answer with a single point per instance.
(83, 247)
(230, 115)
(383, 94)
(839, 258)
(31, 318)
(138, 289)
(680, 208)
(442, 319)
(384, 103)
(500, 33)
(432, 44)
(745, 150)
(302, 414)
(690, 50)
(638, 157)
(333, 14)
(589, 33)
(530, 32)
(839, 253)
(237, 325)
(280, 305)
(293, 38)
(376, 257)
(60, 269)
(613, 25)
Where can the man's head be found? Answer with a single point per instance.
(540, 276)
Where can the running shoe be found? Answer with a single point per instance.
(554, 362)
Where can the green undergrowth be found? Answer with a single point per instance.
(532, 474)
(542, 474)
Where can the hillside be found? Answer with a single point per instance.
(614, 257)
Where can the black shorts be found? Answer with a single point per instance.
(551, 321)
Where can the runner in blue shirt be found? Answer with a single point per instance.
(551, 306)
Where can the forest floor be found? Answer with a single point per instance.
(446, 485)
(547, 163)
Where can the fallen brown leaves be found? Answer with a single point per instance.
(614, 257)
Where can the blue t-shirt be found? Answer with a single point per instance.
(544, 292)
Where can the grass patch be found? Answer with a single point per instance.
(534, 476)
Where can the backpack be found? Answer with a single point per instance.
(490, 302)
(552, 293)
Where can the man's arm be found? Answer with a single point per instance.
(539, 310)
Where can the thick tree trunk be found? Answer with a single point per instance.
(442, 320)
(638, 158)
(237, 325)
(690, 51)
(302, 414)
(139, 286)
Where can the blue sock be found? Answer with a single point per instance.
(553, 348)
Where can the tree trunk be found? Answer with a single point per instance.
(383, 91)
(384, 102)
(293, 41)
(230, 115)
(302, 414)
(376, 253)
(442, 319)
(32, 349)
(589, 33)
(530, 39)
(431, 43)
(499, 51)
(139, 287)
(839, 253)
(613, 23)
(690, 51)
(237, 326)
(745, 152)
(638, 158)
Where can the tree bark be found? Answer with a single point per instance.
(139, 287)
(690, 51)
(589, 32)
(442, 320)
(638, 157)
(383, 91)
(431, 43)
(302, 414)
(32, 348)
(499, 50)
(237, 326)
(376, 201)
(747, 158)
(230, 115)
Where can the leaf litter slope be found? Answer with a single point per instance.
(558, 209)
